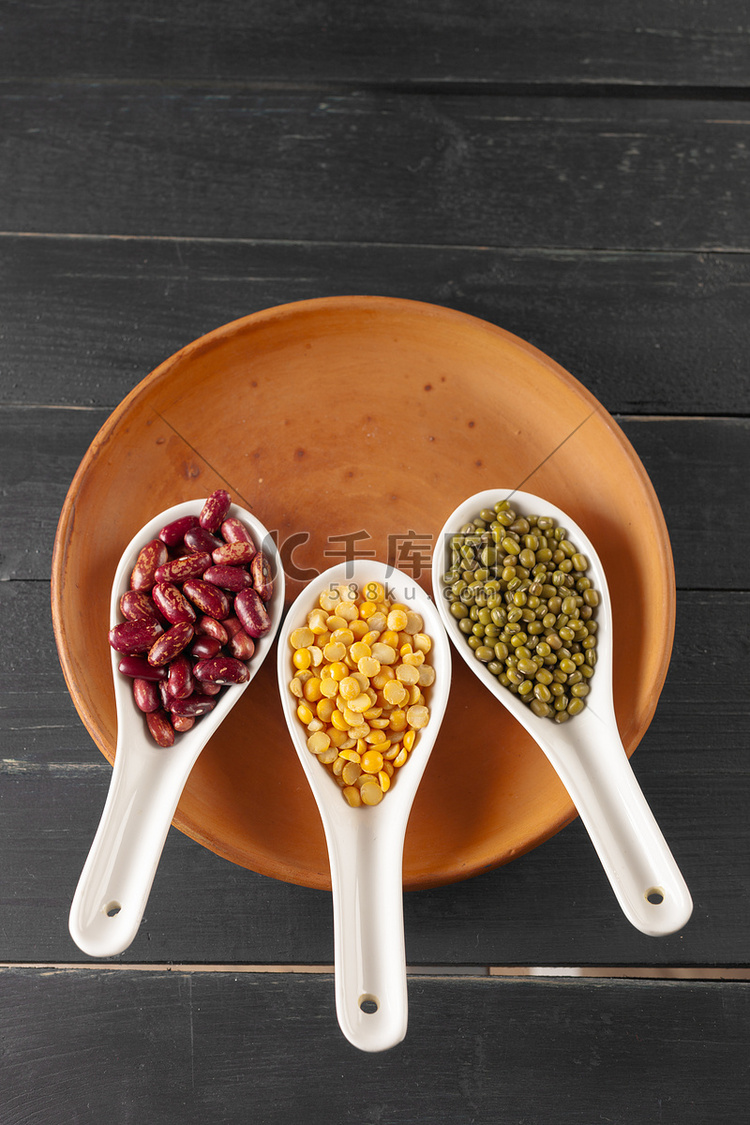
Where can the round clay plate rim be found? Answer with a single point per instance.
(663, 569)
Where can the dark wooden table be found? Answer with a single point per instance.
(576, 173)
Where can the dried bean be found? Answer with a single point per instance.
(185, 582)
(210, 627)
(192, 707)
(138, 667)
(171, 643)
(228, 577)
(186, 566)
(210, 689)
(233, 554)
(199, 540)
(209, 599)
(175, 532)
(132, 637)
(172, 604)
(150, 558)
(252, 613)
(146, 695)
(222, 670)
(136, 605)
(180, 682)
(161, 729)
(241, 645)
(518, 591)
(214, 511)
(204, 648)
(181, 723)
(234, 531)
(261, 572)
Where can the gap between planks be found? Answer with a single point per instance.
(437, 87)
(352, 243)
(466, 972)
(619, 416)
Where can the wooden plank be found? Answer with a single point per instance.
(90, 1046)
(691, 765)
(614, 173)
(707, 458)
(42, 449)
(680, 42)
(647, 333)
(39, 455)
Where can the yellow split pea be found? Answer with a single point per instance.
(360, 669)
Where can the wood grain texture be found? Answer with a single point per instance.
(680, 42)
(375, 167)
(42, 449)
(53, 781)
(86, 1046)
(648, 333)
(691, 765)
(575, 173)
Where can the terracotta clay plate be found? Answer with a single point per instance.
(352, 426)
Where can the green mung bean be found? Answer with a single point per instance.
(522, 595)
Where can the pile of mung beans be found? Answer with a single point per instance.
(197, 602)
(521, 595)
(360, 670)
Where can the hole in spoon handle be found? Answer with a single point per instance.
(636, 858)
(117, 876)
(370, 958)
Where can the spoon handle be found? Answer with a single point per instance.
(635, 856)
(369, 950)
(114, 886)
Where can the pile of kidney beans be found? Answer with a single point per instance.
(197, 601)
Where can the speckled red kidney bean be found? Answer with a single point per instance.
(228, 577)
(138, 667)
(199, 540)
(172, 604)
(136, 605)
(161, 729)
(241, 646)
(222, 670)
(132, 637)
(186, 566)
(204, 648)
(214, 511)
(210, 689)
(170, 644)
(260, 570)
(150, 558)
(235, 531)
(181, 723)
(210, 627)
(194, 706)
(208, 598)
(232, 625)
(233, 554)
(146, 695)
(180, 682)
(176, 531)
(185, 582)
(252, 613)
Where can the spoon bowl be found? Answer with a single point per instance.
(366, 844)
(147, 779)
(586, 752)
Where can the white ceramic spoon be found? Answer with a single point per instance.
(586, 751)
(147, 780)
(366, 844)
